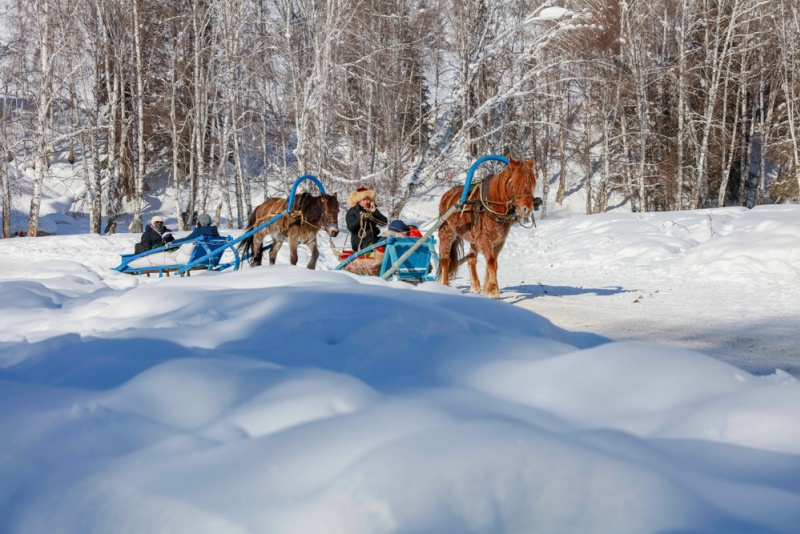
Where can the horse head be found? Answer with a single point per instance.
(330, 214)
(522, 183)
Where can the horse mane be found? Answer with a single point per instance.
(311, 206)
(497, 192)
(499, 185)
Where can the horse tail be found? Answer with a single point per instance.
(246, 245)
(456, 256)
(246, 248)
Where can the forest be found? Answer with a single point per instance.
(666, 104)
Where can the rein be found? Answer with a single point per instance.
(362, 229)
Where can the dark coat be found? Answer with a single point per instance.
(361, 222)
(152, 239)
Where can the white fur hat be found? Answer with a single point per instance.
(157, 218)
(360, 194)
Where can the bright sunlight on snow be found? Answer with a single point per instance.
(638, 375)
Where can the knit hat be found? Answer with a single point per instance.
(360, 194)
(204, 219)
(398, 226)
(157, 218)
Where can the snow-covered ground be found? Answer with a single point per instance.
(725, 282)
(279, 399)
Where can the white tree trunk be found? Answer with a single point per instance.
(136, 223)
(40, 136)
(4, 152)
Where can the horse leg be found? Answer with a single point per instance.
(490, 286)
(472, 262)
(312, 246)
(273, 252)
(293, 242)
(446, 236)
(258, 241)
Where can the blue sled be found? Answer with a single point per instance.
(177, 258)
(415, 268)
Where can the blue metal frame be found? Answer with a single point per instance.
(211, 248)
(468, 181)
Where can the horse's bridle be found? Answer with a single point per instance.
(331, 224)
(510, 214)
(328, 225)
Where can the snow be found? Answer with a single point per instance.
(639, 374)
(551, 13)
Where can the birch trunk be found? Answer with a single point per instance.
(96, 177)
(177, 179)
(765, 132)
(719, 58)
(40, 135)
(136, 223)
(199, 26)
(4, 153)
(112, 110)
(562, 150)
(682, 110)
(728, 153)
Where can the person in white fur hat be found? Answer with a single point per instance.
(363, 218)
(155, 235)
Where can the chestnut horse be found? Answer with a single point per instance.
(491, 210)
(311, 214)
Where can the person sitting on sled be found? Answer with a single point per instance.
(398, 228)
(363, 219)
(155, 235)
(204, 228)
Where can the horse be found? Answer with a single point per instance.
(489, 213)
(311, 214)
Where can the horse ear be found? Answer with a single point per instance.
(512, 162)
(336, 195)
(531, 162)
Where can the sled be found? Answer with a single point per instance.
(204, 253)
(419, 266)
(168, 259)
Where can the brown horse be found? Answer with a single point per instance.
(491, 209)
(310, 214)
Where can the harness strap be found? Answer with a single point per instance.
(509, 213)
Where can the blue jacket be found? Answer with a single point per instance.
(210, 231)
